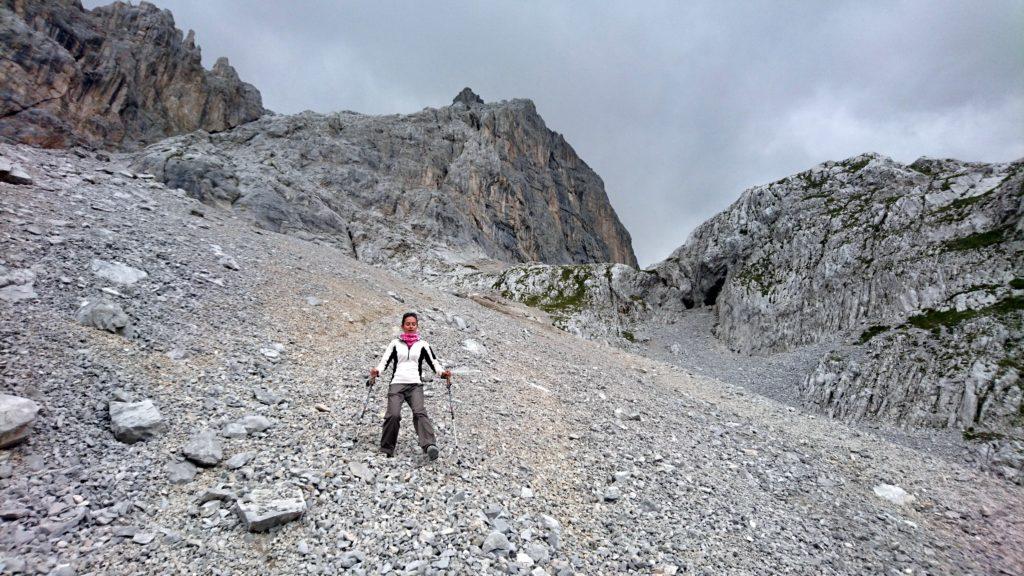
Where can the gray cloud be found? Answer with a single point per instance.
(678, 106)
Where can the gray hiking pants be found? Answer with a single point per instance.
(413, 394)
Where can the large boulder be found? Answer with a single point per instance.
(265, 508)
(116, 272)
(13, 173)
(16, 417)
(16, 284)
(103, 314)
(134, 421)
(204, 448)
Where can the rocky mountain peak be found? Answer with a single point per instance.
(467, 97)
(117, 75)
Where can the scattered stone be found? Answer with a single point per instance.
(313, 301)
(176, 353)
(228, 262)
(538, 552)
(104, 315)
(612, 494)
(524, 559)
(17, 415)
(496, 542)
(16, 285)
(10, 512)
(265, 508)
(395, 296)
(474, 347)
(893, 494)
(11, 173)
(134, 421)
(117, 272)
(62, 570)
(216, 493)
(321, 408)
(181, 472)
(623, 414)
(143, 538)
(239, 460)
(255, 423)
(234, 430)
(362, 471)
(55, 528)
(204, 448)
(265, 396)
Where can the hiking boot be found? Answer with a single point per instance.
(432, 452)
(388, 454)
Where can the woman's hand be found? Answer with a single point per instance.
(374, 373)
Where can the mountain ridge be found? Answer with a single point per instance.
(114, 76)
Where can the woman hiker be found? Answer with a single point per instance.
(408, 353)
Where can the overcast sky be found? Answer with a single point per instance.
(679, 106)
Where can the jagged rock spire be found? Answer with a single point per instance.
(468, 97)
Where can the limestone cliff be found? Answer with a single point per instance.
(846, 244)
(454, 184)
(915, 271)
(117, 75)
(915, 274)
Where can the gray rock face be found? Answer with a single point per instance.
(204, 448)
(913, 272)
(460, 182)
(592, 300)
(265, 508)
(16, 417)
(117, 74)
(134, 421)
(104, 315)
(864, 240)
(918, 268)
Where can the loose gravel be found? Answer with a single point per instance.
(566, 456)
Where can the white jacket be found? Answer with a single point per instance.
(408, 361)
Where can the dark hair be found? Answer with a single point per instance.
(413, 314)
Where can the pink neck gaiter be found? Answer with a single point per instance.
(409, 339)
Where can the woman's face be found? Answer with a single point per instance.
(409, 325)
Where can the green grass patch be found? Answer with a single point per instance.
(859, 165)
(973, 435)
(937, 319)
(816, 195)
(629, 336)
(978, 241)
(870, 333)
(1017, 283)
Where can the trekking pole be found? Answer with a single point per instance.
(451, 413)
(366, 402)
